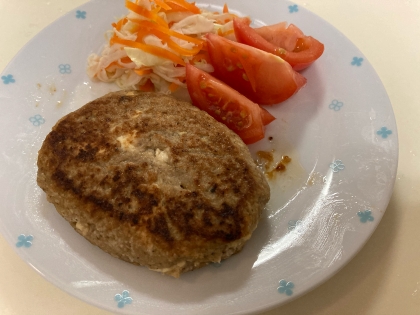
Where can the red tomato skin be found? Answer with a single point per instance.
(278, 40)
(254, 132)
(268, 79)
(266, 117)
(281, 35)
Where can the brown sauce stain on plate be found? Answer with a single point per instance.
(266, 158)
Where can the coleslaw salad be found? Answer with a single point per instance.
(148, 48)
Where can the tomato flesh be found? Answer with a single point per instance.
(262, 77)
(266, 117)
(226, 105)
(289, 43)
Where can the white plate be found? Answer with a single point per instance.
(339, 130)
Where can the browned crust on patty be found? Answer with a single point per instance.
(153, 181)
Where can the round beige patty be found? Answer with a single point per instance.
(153, 181)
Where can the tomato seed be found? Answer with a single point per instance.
(245, 77)
(225, 105)
(280, 51)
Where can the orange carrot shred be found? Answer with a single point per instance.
(143, 24)
(126, 60)
(225, 8)
(186, 5)
(143, 71)
(116, 64)
(176, 8)
(163, 5)
(154, 50)
(173, 87)
(119, 24)
(167, 39)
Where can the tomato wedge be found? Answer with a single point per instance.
(289, 43)
(262, 77)
(226, 105)
(266, 117)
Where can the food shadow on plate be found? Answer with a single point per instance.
(86, 263)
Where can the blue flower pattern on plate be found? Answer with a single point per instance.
(337, 166)
(365, 216)
(294, 224)
(336, 105)
(8, 79)
(357, 61)
(123, 298)
(384, 132)
(293, 8)
(65, 68)
(81, 14)
(37, 120)
(285, 287)
(25, 241)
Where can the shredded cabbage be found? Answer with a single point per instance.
(194, 24)
(124, 60)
